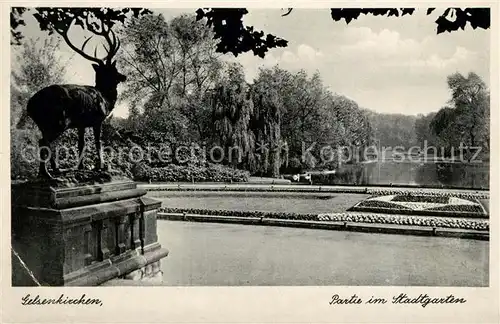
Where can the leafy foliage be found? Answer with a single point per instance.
(23, 154)
(423, 131)
(267, 121)
(60, 19)
(290, 110)
(232, 111)
(16, 20)
(454, 18)
(35, 66)
(227, 23)
(450, 20)
(349, 14)
(304, 99)
(172, 67)
(234, 37)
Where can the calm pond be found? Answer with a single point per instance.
(431, 174)
(208, 254)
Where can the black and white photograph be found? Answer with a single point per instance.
(254, 147)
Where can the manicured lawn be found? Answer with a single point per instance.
(301, 203)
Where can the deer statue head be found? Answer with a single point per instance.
(107, 76)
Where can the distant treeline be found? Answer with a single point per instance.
(393, 129)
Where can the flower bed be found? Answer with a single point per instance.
(381, 204)
(459, 208)
(422, 205)
(423, 199)
(427, 192)
(444, 222)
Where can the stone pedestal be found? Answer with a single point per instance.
(83, 235)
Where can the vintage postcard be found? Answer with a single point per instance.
(253, 162)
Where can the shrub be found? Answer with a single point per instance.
(188, 173)
(23, 158)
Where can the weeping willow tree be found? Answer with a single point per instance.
(232, 113)
(268, 111)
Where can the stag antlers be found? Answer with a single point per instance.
(105, 31)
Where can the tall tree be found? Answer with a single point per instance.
(173, 65)
(268, 112)
(232, 113)
(466, 121)
(470, 97)
(36, 65)
(303, 99)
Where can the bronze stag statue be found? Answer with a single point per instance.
(58, 108)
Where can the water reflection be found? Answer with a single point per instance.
(472, 175)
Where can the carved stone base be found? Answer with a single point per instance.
(83, 235)
(151, 273)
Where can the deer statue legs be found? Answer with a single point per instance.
(81, 146)
(47, 152)
(44, 150)
(97, 138)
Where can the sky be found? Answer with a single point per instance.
(388, 65)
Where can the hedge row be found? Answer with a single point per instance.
(190, 172)
(238, 213)
(444, 222)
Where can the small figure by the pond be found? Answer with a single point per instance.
(58, 108)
